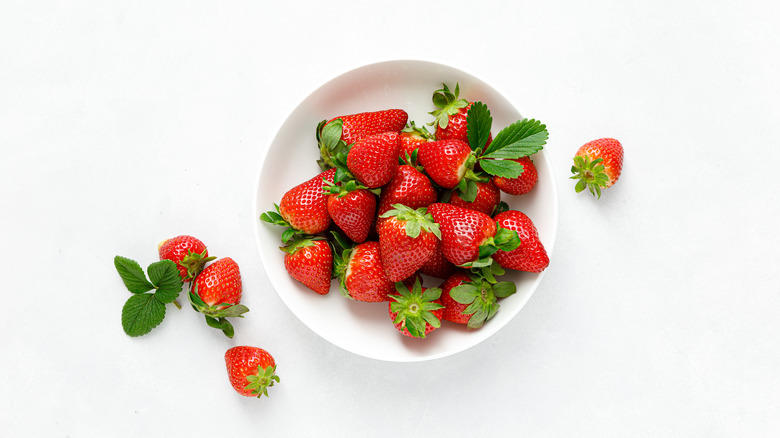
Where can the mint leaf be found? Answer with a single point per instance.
(132, 275)
(141, 313)
(166, 278)
(502, 168)
(479, 122)
(520, 138)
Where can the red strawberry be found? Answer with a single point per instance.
(189, 254)
(415, 311)
(412, 138)
(409, 187)
(352, 209)
(437, 265)
(446, 161)
(451, 115)
(304, 208)
(523, 183)
(597, 165)
(310, 261)
(463, 231)
(361, 275)
(472, 300)
(216, 292)
(357, 126)
(251, 370)
(487, 199)
(373, 160)
(530, 256)
(407, 239)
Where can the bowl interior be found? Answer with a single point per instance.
(365, 328)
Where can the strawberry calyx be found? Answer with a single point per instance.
(448, 103)
(505, 240)
(216, 315)
(415, 221)
(275, 217)
(413, 307)
(194, 263)
(262, 380)
(343, 249)
(481, 295)
(590, 174)
(330, 143)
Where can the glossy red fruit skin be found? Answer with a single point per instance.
(444, 161)
(608, 149)
(462, 231)
(409, 187)
(353, 213)
(410, 142)
(373, 160)
(402, 255)
(220, 283)
(456, 128)
(361, 125)
(305, 206)
(437, 265)
(365, 278)
(242, 361)
(177, 248)
(488, 197)
(312, 266)
(401, 325)
(453, 310)
(530, 256)
(523, 183)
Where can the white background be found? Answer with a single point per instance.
(124, 123)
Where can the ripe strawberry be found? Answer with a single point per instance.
(373, 160)
(530, 256)
(352, 209)
(361, 275)
(251, 370)
(412, 138)
(437, 265)
(597, 165)
(487, 198)
(451, 114)
(407, 239)
(304, 208)
(216, 293)
(409, 187)
(310, 261)
(357, 126)
(463, 231)
(189, 254)
(415, 311)
(470, 299)
(523, 183)
(446, 161)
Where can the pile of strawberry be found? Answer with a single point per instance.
(396, 205)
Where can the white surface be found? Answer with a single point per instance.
(123, 124)
(364, 328)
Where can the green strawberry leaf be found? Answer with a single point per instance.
(522, 138)
(141, 313)
(165, 277)
(502, 168)
(132, 275)
(478, 125)
(503, 289)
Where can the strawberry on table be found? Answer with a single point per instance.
(530, 256)
(471, 299)
(415, 311)
(304, 208)
(310, 261)
(373, 160)
(352, 208)
(251, 370)
(522, 184)
(597, 165)
(216, 293)
(189, 254)
(407, 239)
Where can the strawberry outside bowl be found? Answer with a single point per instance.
(365, 328)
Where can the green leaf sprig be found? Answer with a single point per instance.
(145, 310)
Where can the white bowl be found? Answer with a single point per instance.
(365, 328)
